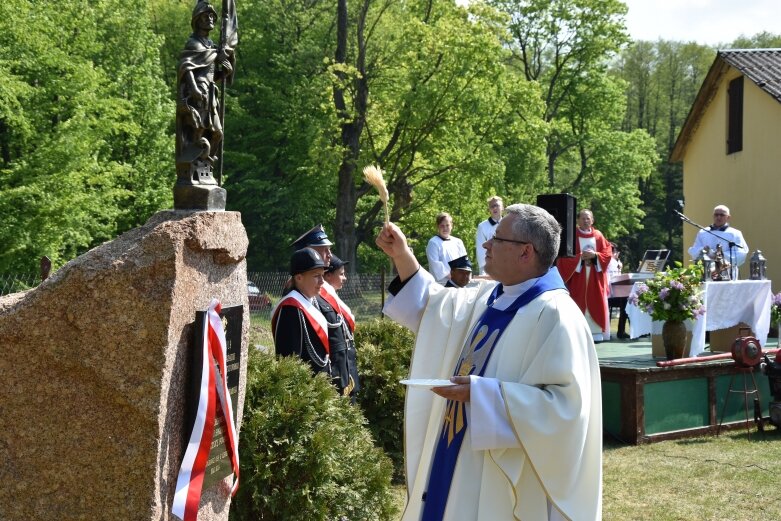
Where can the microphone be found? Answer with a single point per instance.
(681, 216)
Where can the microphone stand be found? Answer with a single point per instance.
(707, 229)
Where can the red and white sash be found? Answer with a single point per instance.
(329, 294)
(312, 314)
(190, 481)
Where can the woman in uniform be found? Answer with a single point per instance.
(305, 325)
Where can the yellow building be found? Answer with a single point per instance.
(730, 146)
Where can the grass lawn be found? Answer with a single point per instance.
(260, 330)
(711, 478)
(725, 478)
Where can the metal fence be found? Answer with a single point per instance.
(364, 293)
(15, 282)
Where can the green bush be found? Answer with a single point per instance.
(384, 351)
(305, 452)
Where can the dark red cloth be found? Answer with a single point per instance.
(594, 296)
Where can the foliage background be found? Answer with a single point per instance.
(385, 354)
(306, 452)
(508, 97)
(84, 128)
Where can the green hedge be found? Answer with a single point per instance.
(384, 351)
(305, 452)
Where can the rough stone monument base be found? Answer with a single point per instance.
(95, 366)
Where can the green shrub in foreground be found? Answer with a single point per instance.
(305, 452)
(384, 351)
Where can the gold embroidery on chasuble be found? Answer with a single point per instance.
(471, 361)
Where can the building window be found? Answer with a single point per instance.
(735, 116)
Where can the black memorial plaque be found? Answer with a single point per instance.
(218, 466)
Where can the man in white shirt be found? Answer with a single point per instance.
(485, 230)
(519, 433)
(721, 233)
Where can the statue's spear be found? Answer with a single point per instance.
(229, 38)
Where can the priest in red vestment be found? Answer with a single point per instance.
(586, 275)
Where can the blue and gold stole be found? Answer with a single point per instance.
(473, 360)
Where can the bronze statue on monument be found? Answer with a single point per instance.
(203, 71)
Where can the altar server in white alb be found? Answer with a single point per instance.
(486, 229)
(722, 233)
(519, 434)
(443, 248)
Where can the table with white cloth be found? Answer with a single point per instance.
(727, 303)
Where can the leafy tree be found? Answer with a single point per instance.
(277, 113)
(564, 46)
(443, 115)
(637, 63)
(762, 40)
(82, 127)
(559, 44)
(664, 78)
(170, 21)
(419, 86)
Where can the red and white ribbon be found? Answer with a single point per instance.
(190, 481)
(312, 314)
(329, 294)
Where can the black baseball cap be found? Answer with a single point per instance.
(304, 260)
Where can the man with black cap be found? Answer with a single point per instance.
(306, 325)
(317, 239)
(460, 272)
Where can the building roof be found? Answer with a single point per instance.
(761, 66)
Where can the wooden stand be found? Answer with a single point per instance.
(643, 403)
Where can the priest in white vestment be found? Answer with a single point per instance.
(520, 431)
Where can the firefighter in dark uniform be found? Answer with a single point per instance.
(460, 272)
(305, 325)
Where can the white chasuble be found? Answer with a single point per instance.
(549, 377)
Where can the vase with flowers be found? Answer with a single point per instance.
(673, 297)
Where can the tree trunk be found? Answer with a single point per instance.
(352, 127)
(551, 165)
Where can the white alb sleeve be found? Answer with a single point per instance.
(487, 416)
(408, 305)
